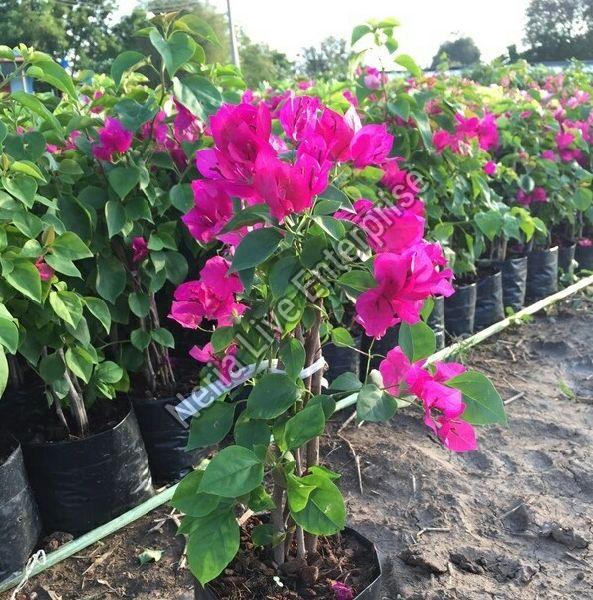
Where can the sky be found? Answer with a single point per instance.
(289, 25)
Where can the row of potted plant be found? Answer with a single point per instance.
(161, 219)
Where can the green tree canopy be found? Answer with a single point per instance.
(329, 60)
(559, 30)
(460, 52)
(261, 63)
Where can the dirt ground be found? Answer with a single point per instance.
(513, 520)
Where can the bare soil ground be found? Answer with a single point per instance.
(513, 520)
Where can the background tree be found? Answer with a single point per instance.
(78, 30)
(329, 60)
(461, 52)
(260, 63)
(559, 30)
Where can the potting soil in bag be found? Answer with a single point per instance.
(341, 360)
(165, 439)
(460, 311)
(20, 524)
(566, 256)
(542, 274)
(81, 484)
(489, 306)
(514, 281)
(584, 256)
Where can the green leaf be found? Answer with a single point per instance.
(25, 278)
(489, 223)
(260, 500)
(292, 355)
(22, 187)
(282, 274)
(346, 382)
(80, 363)
(163, 337)
(115, 216)
(111, 278)
(27, 168)
(222, 338)
(33, 103)
(176, 267)
(359, 32)
(150, 555)
(251, 433)
(356, 282)
(51, 368)
(234, 471)
(255, 248)
(526, 183)
(274, 394)
(374, 404)
(212, 545)
(341, 337)
(182, 197)
(304, 426)
(298, 492)
(583, 199)
(417, 341)
(9, 335)
(140, 338)
(99, 309)
(484, 404)
(51, 72)
(124, 61)
(263, 535)
(198, 94)
(175, 51)
(258, 213)
(67, 305)
(406, 61)
(423, 125)
(188, 500)
(3, 371)
(211, 425)
(123, 180)
(109, 372)
(333, 227)
(325, 512)
(327, 404)
(69, 245)
(139, 303)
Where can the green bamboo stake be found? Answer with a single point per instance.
(134, 514)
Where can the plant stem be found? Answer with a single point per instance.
(77, 407)
(278, 516)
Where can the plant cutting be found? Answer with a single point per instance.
(292, 245)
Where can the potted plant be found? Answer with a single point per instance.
(291, 246)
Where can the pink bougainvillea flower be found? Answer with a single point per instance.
(404, 185)
(45, 271)
(350, 97)
(139, 249)
(342, 591)
(212, 211)
(373, 78)
(549, 155)
(370, 145)
(298, 116)
(585, 242)
(490, 168)
(404, 281)
(336, 133)
(305, 85)
(224, 365)
(394, 369)
(388, 229)
(156, 128)
(186, 126)
(539, 195)
(281, 186)
(113, 138)
(212, 297)
(488, 132)
(443, 139)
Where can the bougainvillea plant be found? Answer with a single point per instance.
(290, 246)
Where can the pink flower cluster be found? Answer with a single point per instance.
(404, 281)
(250, 163)
(113, 138)
(212, 297)
(443, 405)
(538, 195)
(484, 130)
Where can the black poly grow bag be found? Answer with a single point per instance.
(371, 592)
(460, 311)
(584, 256)
(165, 439)
(542, 274)
(514, 281)
(20, 524)
(436, 321)
(489, 306)
(380, 347)
(81, 484)
(341, 360)
(566, 256)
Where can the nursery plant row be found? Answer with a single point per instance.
(167, 234)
